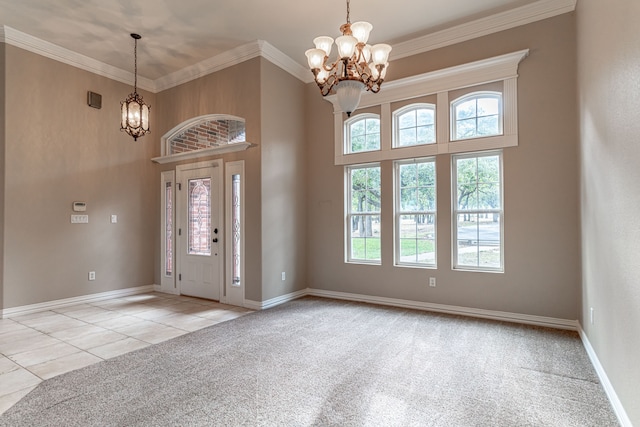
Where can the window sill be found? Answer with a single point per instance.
(207, 152)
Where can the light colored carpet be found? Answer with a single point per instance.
(317, 362)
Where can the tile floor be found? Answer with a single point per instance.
(38, 346)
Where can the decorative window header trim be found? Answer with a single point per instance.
(500, 68)
(460, 76)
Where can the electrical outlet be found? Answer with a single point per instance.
(432, 282)
(92, 275)
(284, 276)
(591, 315)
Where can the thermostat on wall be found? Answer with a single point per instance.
(79, 206)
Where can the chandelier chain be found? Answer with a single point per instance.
(348, 10)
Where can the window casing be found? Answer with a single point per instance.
(478, 212)
(362, 133)
(363, 214)
(477, 232)
(476, 115)
(414, 124)
(415, 212)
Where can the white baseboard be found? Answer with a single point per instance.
(261, 305)
(623, 418)
(50, 305)
(528, 319)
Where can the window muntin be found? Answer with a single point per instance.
(415, 212)
(363, 214)
(478, 212)
(362, 133)
(476, 115)
(414, 124)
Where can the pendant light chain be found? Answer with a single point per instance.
(135, 64)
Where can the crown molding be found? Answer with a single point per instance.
(523, 15)
(539, 10)
(44, 48)
(210, 65)
(276, 57)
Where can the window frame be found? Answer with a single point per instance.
(349, 214)
(347, 131)
(475, 96)
(397, 213)
(455, 211)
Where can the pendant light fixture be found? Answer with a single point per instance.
(358, 65)
(135, 113)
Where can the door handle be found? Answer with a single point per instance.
(215, 240)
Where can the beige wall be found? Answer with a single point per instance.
(542, 240)
(283, 182)
(234, 91)
(59, 150)
(609, 101)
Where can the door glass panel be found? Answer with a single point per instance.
(168, 256)
(200, 216)
(235, 222)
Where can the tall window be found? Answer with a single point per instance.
(363, 214)
(414, 125)
(476, 115)
(415, 212)
(200, 216)
(168, 228)
(236, 224)
(363, 133)
(478, 212)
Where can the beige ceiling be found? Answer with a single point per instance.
(180, 33)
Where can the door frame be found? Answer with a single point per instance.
(218, 178)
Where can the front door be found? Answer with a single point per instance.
(200, 233)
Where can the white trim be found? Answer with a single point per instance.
(499, 68)
(262, 305)
(523, 15)
(488, 70)
(526, 14)
(86, 299)
(526, 319)
(618, 409)
(49, 50)
(205, 152)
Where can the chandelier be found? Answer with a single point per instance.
(135, 113)
(358, 65)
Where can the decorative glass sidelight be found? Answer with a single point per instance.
(199, 216)
(235, 224)
(168, 256)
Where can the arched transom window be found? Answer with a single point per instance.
(476, 115)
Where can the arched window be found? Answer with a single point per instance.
(362, 133)
(414, 125)
(476, 115)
